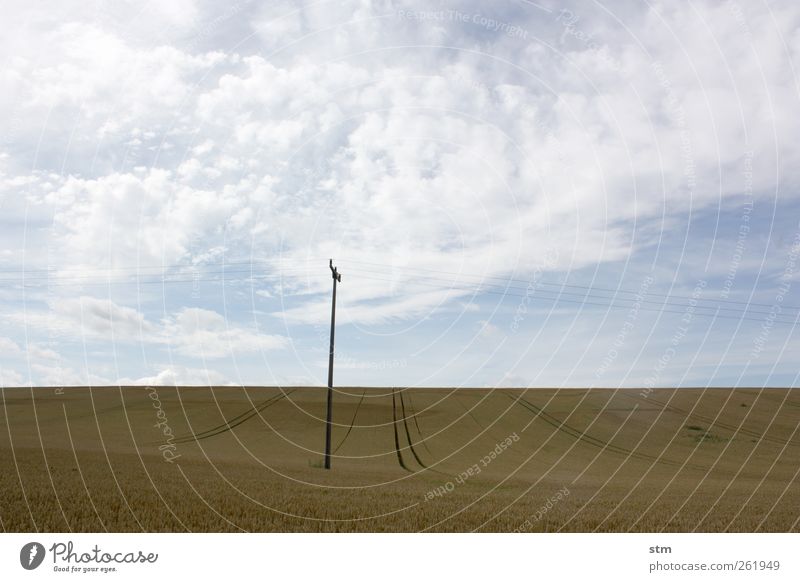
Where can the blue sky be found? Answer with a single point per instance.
(463, 163)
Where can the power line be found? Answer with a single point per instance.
(592, 287)
(590, 295)
(298, 272)
(59, 278)
(135, 278)
(533, 297)
(223, 262)
(164, 281)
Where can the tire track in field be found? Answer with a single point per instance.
(396, 437)
(487, 431)
(712, 422)
(410, 440)
(352, 422)
(233, 422)
(469, 412)
(416, 423)
(596, 442)
(408, 434)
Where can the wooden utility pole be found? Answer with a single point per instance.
(337, 278)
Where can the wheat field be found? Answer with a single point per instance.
(161, 459)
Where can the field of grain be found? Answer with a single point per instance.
(231, 459)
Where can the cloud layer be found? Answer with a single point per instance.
(477, 142)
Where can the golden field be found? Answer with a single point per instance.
(232, 459)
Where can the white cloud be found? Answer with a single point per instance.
(201, 333)
(179, 376)
(510, 380)
(490, 332)
(126, 219)
(101, 318)
(418, 305)
(194, 332)
(8, 347)
(34, 352)
(49, 375)
(10, 378)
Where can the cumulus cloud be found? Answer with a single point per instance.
(202, 333)
(126, 219)
(50, 375)
(102, 318)
(194, 332)
(10, 378)
(33, 351)
(179, 376)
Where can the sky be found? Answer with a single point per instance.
(516, 193)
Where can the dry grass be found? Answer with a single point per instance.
(677, 460)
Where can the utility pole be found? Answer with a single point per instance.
(337, 278)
